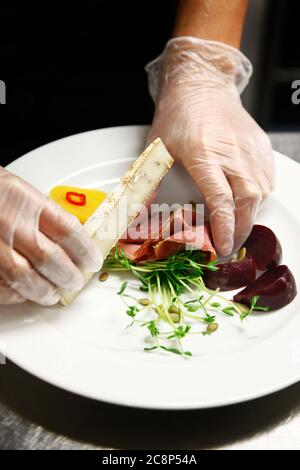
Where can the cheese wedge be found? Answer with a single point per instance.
(108, 223)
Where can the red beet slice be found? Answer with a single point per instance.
(231, 275)
(276, 288)
(264, 247)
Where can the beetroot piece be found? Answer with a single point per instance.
(275, 288)
(263, 245)
(231, 275)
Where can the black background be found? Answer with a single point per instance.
(72, 67)
(76, 67)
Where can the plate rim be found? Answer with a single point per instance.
(172, 406)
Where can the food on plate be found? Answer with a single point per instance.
(172, 256)
(261, 251)
(107, 224)
(275, 288)
(78, 201)
(231, 275)
(264, 247)
(177, 304)
(162, 235)
(103, 276)
(183, 286)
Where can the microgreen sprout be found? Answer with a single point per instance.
(168, 283)
(253, 306)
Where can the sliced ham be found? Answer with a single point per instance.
(196, 237)
(137, 251)
(168, 236)
(144, 230)
(160, 225)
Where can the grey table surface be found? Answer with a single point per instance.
(36, 415)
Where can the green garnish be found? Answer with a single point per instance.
(208, 318)
(253, 307)
(180, 332)
(132, 311)
(176, 351)
(122, 288)
(229, 311)
(168, 283)
(154, 331)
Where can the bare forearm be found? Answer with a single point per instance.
(216, 20)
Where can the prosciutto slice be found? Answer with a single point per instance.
(160, 236)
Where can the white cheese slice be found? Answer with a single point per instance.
(108, 223)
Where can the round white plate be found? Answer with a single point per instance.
(85, 347)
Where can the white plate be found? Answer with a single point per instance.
(85, 348)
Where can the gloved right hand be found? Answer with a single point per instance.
(42, 246)
(200, 118)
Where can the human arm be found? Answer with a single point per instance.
(195, 84)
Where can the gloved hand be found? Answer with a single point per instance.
(199, 116)
(41, 245)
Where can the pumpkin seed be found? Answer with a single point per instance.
(103, 276)
(242, 253)
(211, 327)
(173, 309)
(144, 302)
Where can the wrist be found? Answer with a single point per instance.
(189, 60)
(221, 20)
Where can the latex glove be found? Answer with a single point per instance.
(41, 245)
(199, 116)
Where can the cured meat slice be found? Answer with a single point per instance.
(159, 237)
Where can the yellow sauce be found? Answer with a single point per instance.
(93, 199)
